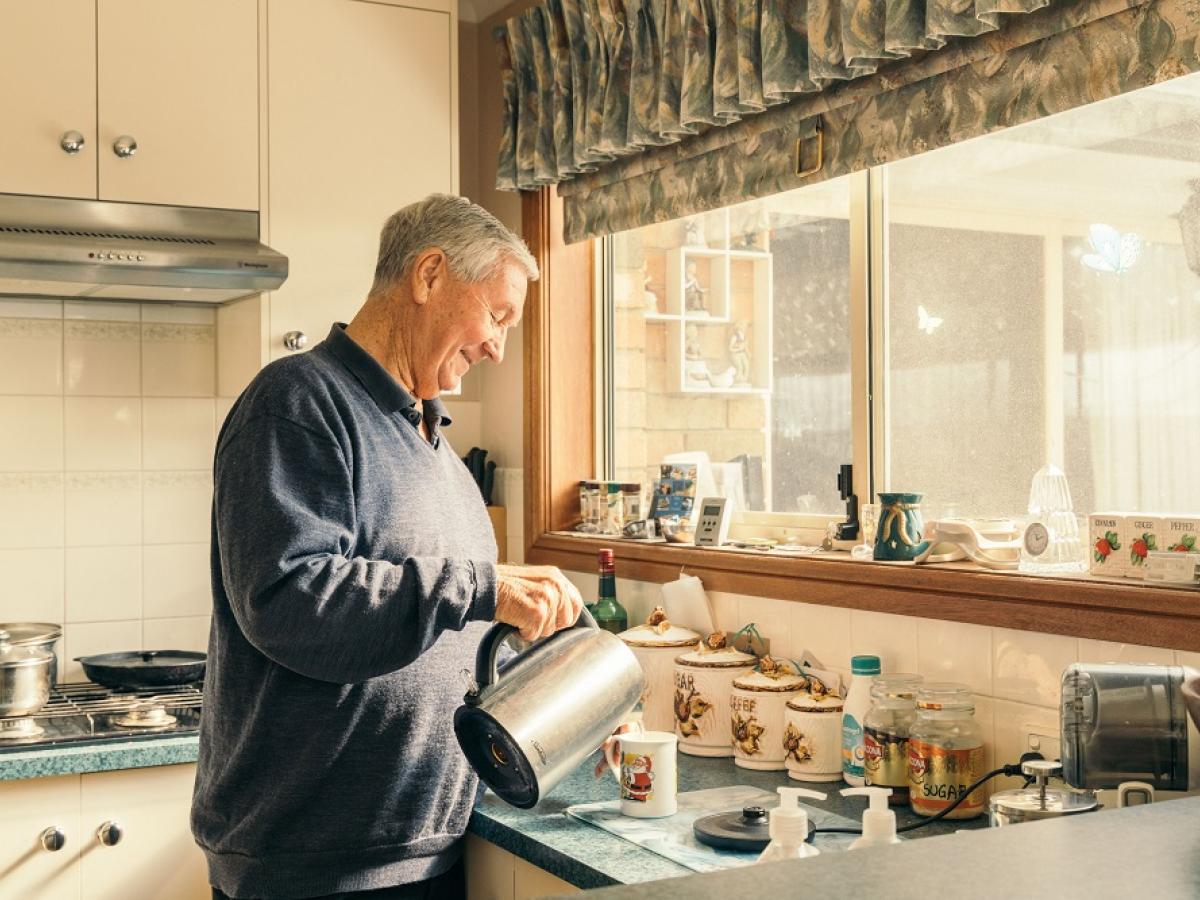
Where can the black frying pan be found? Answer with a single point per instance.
(144, 668)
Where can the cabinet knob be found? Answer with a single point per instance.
(71, 142)
(125, 146)
(109, 834)
(295, 340)
(52, 839)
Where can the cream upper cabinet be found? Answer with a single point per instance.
(48, 98)
(136, 100)
(179, 80)
(40, 839)
(360, 123)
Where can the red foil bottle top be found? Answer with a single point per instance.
(605, 558)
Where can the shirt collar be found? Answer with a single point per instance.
(388, 393)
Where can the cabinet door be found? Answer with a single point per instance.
(48, 73)
(181, 79)
(156, 858)
(489, 870)
(360, 125)
(531, 883)
(27, 808)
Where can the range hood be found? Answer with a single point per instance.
(55, 247)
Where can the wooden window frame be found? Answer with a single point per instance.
(560, 449)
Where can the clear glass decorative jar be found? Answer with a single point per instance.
(945, 752)
(886, 731)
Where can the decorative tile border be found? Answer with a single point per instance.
(33, 482)
(88, 330)
(31, 328)
(188, 480)
(103, 481)
(179, 334)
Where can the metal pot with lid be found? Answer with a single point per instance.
(1042, 800)
(526, 726)
(40, 635)
(24, 678)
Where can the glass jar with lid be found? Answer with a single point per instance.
(886, 730)
(945, 752)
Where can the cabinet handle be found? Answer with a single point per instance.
(52, 839)
(295, 340)
(109, 834)
(125, 146)
(71, 142)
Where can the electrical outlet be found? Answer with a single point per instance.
(1037, 740)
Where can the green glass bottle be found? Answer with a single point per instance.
(607, 611)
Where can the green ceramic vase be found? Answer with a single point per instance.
(899, 534)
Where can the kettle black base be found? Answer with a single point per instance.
(496, 756)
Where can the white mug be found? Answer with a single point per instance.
(646, 770)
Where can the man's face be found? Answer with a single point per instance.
(471, 322)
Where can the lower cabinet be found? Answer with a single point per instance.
(495, 874)
(118, 835)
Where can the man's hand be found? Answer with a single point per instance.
(538, 600)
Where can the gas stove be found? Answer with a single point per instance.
(86, 714)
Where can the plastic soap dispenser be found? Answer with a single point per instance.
(789, 827)
(879, 822)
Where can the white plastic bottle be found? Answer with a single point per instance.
(789, 827)
(854, 710)
(878, 822)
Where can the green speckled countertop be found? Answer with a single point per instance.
(72, 759)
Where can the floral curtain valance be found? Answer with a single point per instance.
(587, 82)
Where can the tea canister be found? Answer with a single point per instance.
(757, 707)
(703, 681)
(812, 737)
(656, 648)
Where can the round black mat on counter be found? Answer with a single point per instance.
(745, 830)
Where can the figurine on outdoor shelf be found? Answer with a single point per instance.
(649, 294)
(694, 366)
(739, 353)
(693, 292)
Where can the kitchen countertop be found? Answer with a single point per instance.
(1146, 851)
(108, 756)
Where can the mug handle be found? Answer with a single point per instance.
(1141, 789)
(611, 748)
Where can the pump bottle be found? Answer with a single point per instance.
(879, 822)
(789, 827)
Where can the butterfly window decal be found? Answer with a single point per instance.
(926, 322)
(1113, 252)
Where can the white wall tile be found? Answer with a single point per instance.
(176, 507)
(1186, 658)
(985, 717)
(97, 637)
(1027, 667)
(31, 434)
(773, 620)
(102, 359)
(588, 584)
(638, 598)
(103, 509)
(31, 308)
(176, 581)
(1108, 651)
(178, 433)
(1014, 723)
(179, 360)
(892, 638)
(31, 509)
(224, 405)
(31, 356)
(102, 311)
(103, 434)
(954, 651)
(104, 584)
(190, 633)
(823, 631)
(33, 586)
(725, 611)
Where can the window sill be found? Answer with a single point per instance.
(1111, 609)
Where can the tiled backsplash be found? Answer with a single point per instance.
(108, 416)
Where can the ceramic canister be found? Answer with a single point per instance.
(703, 680)
(757, 705)
(656, 652)
(812, 737)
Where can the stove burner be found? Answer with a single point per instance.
(148, 715)
(19, 729)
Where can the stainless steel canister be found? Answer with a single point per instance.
(527, 726)
(24, 678)
(41, 635)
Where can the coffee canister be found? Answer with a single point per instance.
(757, 705)
(656, 650)
(812, 737)
(703, 681)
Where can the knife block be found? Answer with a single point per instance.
(499, 517)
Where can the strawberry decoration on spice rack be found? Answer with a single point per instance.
(1141, 547)
(1105, 546)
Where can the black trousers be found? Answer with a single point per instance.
(450, 885)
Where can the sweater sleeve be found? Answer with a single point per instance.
(284, 510)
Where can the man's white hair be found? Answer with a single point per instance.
(475, 242)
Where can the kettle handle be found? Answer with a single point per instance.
(486, 669)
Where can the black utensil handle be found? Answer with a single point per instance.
(486, 657)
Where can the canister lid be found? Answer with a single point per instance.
(757, 681)
(22, 633)
(727, 658)
(806, 702)
(1030, 803)
(14, 657)
(650, 636)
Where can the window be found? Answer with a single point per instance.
(1033, 297)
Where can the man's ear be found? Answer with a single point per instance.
(428, 270)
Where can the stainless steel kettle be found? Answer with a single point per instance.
(529, 724)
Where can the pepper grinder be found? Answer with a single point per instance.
(848, 530)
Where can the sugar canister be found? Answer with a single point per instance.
(703, 681)
(812, 735)
(656, 644)
(757, 707)
(945, 752)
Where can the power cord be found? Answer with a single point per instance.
(1011, 770)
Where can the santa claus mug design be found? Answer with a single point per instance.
(647, 774)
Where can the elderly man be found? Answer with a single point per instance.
(354, 571)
